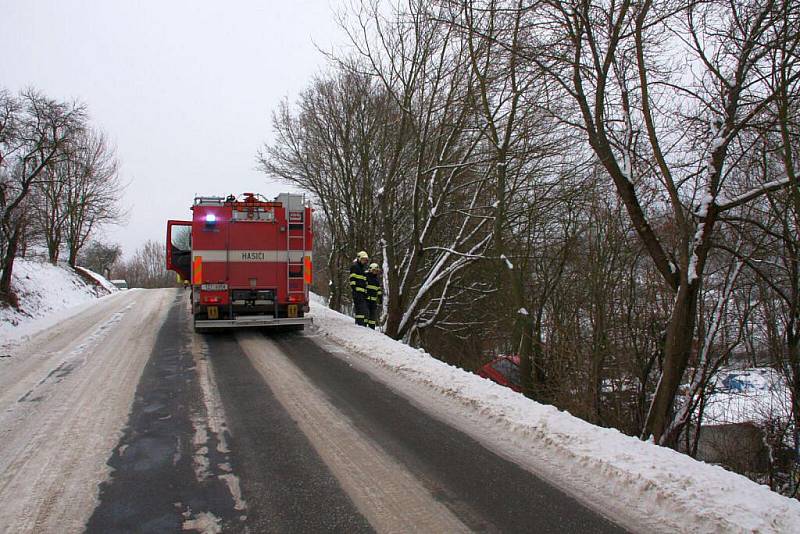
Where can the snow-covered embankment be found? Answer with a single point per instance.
(47, 294)
(639, 484)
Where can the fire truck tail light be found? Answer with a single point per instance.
(294, 298)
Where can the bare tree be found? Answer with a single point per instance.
(92, 192)
(100, 257)
(328, 148)
(660, 142)
(36, 132)
(147, 267)
(386, 149)
(48, 206)
(434, 208)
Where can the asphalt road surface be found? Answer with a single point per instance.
(159, 429)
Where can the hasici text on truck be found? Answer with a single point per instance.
(248, 260)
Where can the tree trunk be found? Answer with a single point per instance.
(391, 293)
(522, 332)
(595, 384)
(525, 344)
(52, 252)
(74, 248)
(8, 264)
(793, 350)
(538, 375)
(512, 279)
(677, 350)
(598, 355)
(334, 289)
(394, 314)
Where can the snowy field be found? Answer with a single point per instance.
(46, 295)
(638, 483)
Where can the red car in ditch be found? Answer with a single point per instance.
(504, 370)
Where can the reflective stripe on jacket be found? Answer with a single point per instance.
(358, 277)
(374, 290)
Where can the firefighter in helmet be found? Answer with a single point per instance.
(358, 283)
(374, 294)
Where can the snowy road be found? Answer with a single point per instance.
(124, 419)
(65, 395)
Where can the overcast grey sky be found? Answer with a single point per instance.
(185, 89)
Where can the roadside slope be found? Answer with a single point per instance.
(45, 292)
(638, 483)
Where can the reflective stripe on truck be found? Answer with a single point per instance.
(197, 270)
(251, 256)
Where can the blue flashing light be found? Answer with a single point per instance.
(211, 218)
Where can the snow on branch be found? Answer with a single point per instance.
(726, 204)
(508, 262)
(439, 271)
(455, 252)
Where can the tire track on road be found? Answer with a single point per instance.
(385, 492)
(288, 488)
(485, 491)
(167, 475)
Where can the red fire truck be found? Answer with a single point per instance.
(248, 260)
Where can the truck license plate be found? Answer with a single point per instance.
(213, 312)
(292, 311)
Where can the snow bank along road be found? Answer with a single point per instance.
(124, 419)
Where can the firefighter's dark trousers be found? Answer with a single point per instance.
(372, 316)
(360, 308)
